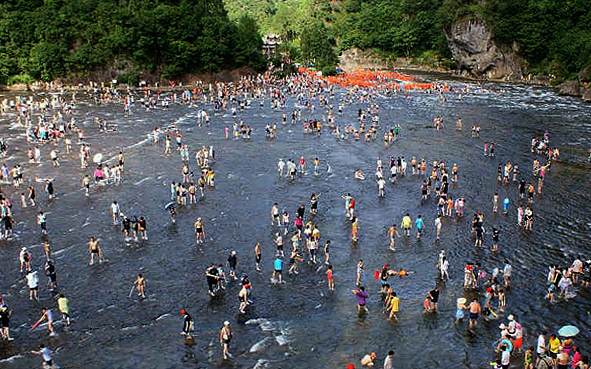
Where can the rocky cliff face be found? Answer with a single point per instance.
(477, 55)
(581, 87)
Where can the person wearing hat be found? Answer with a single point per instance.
(460, 307)
(199, 231)
(225, 339)
(187, 322)
(516, 332)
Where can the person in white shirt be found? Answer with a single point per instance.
(444, 268)
(507, 270)
(389, 361)
(368, 360)
(505, 357)
(564, 285)
(541, 348)
(33, 283)
(115, 211)
(381, 184)
(577, 268)
(280, 166)
(438, 226)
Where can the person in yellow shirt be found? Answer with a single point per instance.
(394, 302)
(554, 344)
(406, 225)
(64, 306)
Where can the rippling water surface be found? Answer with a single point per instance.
(315, 329)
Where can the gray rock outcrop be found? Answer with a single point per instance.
(476, 53)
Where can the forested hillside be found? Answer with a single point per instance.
(48, 39)
(51, 39)
(552, 36)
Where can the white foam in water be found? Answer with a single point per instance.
(142, 181)
(260, 346)
(162, 316)
(11, 359)
(129, 328)
(261, 364)
(282, 340)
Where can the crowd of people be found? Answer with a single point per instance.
(50, 123)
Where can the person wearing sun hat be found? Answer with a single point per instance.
(187, 322)
(225, 338)
(516, 331)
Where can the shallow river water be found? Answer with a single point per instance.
(317, 329)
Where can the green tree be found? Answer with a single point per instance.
(317, 47)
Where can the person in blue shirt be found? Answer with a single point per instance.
(505, 206)
(46, 354)
(419, 224)
(278, 267)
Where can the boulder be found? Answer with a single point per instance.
(586, 94)
(477, 55)
(569, 88)
(18, 87)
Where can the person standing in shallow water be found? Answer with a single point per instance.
(361, 299)
(257, 256)
(225, 339)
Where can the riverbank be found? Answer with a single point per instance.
(149, 81)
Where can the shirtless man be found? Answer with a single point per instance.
(199, 231)
(257, 255)
(243, 298)
(392, 232)
(474, 313)
(95, 248)
(140, 284)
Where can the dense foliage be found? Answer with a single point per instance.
(49, 39)
(553, 36)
